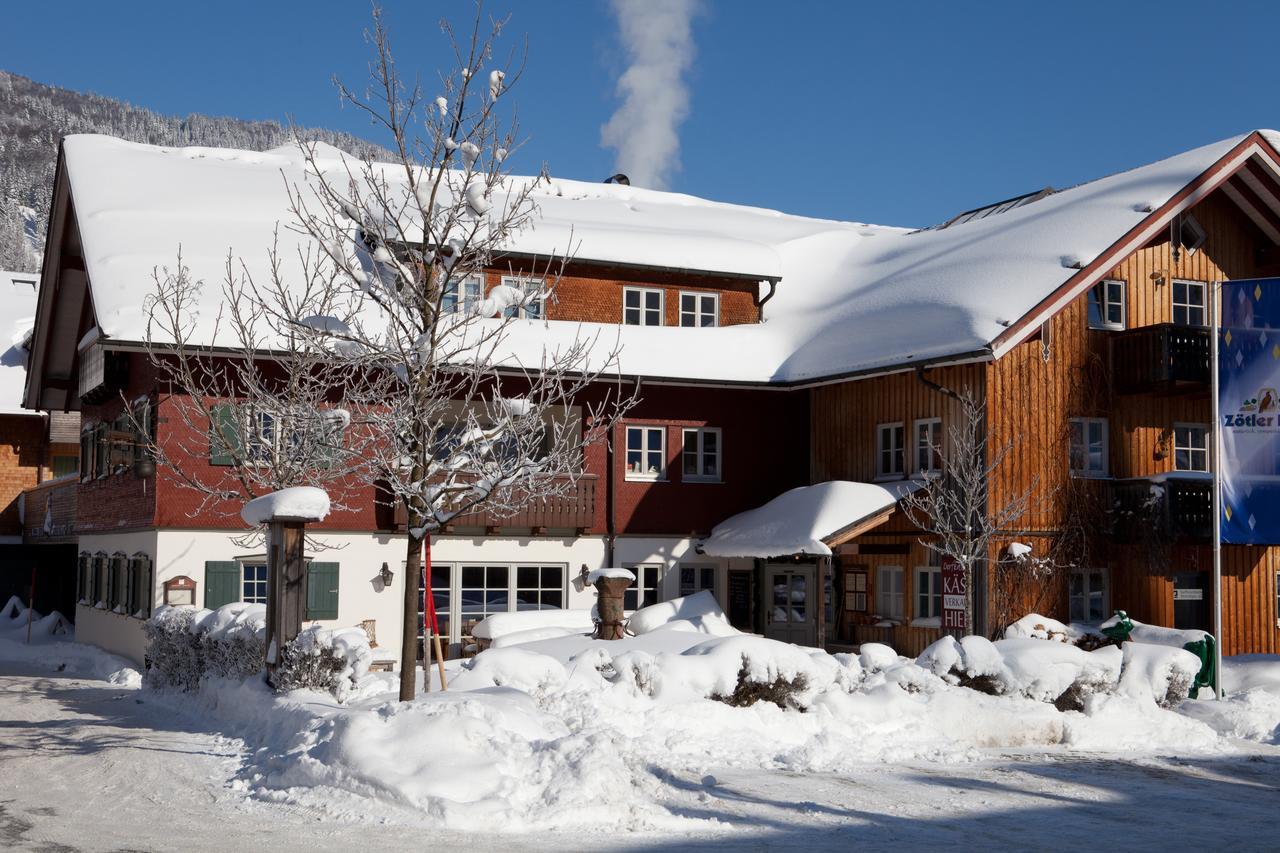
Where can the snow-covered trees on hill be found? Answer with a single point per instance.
(33, 117)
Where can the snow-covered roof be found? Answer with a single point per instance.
(19, 300)
(800, 521)
(853, 298)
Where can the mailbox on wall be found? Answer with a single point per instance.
(179, 590)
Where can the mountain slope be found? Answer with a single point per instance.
(33, 117)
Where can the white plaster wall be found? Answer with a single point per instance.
(671, 553)
(115, 632)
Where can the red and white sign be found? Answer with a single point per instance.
(955, 586)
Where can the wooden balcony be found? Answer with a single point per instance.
(49, 511)
(1164, 359)
(575, 510)
(1171, 508)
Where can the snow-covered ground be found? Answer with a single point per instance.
(553, 759)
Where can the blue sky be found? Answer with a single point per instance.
(895, 113)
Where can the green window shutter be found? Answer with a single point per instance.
(322, 590)
(86, 578)
(221, 583)
(142, 587)
(224, 437)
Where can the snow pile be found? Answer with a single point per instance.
(1161, 673)
(14, 618)
(618, 574)
(500, 625)
(300, 503)
(1037, 627)
(699, 612)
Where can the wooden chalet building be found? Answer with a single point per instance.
(774, 352)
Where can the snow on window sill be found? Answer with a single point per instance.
(690, 478)
(927, 622)
(644, 478)
(1091, 475)
(885, 478)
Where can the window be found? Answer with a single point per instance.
(87, 450)
(641, 306)
(253, 583)
(1191, 447)
(532, 298)
(889, 592)
(461, 297)
(482, 590)
(1106, 305)
(928, 446)
(65, 466)
(101, 451)
(928, 592)
(889, 451)
(539, 587)
(644, 591)
(1189, 303)
(1089, 447)
(699, 309)
(254, 435)
(697, 578)
(701, 455)
(1190, 234)
(646, 453)
(1087, 595)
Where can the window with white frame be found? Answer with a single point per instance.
(1089, 447)
(1106, 305)
(1189, 301)
(889, 592)
(1191, 447)
(699, 309)
(645, 590)
(889, 451)
(531, 297)
(928, 592)
(462, 297)
(641, 306)
(253, 583)
(697, 578)
(466, 593)
(646, 453)
(1087, 595)
(928, 445)
(700, 454)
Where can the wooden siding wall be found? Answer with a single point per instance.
(845, 416)
(861, 628)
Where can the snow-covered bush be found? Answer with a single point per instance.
(1036, 627)
(233, 639)
(327, 659)
(174, 655)
(1160, 673)
(972, 662)
(781, 691)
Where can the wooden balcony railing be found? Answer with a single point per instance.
(575, 509)
(1162, 359)
(1172, 508)
(49, 511)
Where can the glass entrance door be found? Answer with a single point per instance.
(790, 615)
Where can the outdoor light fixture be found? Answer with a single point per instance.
(386, 574)
(584, 575)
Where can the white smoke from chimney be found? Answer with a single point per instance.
(657, 36)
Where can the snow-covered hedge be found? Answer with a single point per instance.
(187, 645)
(328, 659)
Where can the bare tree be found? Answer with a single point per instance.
(266, 412)
(955, 507)
(452, 395)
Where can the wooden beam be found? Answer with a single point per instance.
(853, 531)
(1258, 211)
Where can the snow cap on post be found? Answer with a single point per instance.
(300, 503)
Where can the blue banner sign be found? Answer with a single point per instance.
(1249, 411)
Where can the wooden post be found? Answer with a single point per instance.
(609, 600)
(286, 586)
(821, 598)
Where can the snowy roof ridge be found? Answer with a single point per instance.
(854, 298)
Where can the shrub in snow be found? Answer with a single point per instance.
(332, 660)
(972, 662)
(781, 691)
(233, 639)
(1037, 627)
(875, 657)
(1163, 674)
(743, 670)
(174, 655)
(1054, 672)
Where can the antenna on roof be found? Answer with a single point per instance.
(618, 179)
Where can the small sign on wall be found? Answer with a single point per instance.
(1188, 595)
(179, 590)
